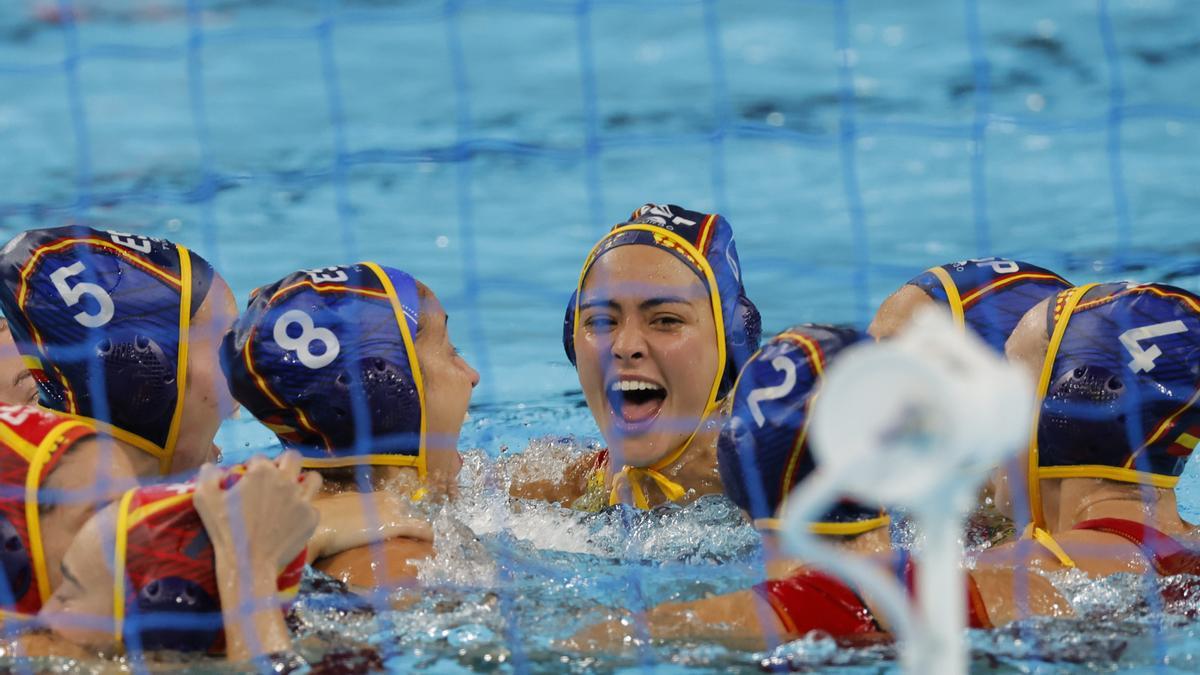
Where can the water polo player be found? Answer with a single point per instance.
(201, 567)
(16, 382)
(764, 454)
(988, 295)
(1118, 375)
(54, 471)
(353, 367)
(657, 328)
(123, 329)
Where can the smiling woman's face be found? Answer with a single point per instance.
(16, 382)
(646, 350)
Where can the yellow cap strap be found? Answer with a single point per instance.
(952, 296)
(672, 490)
(414, 364)
(119, 551)
(1047, 541)
(181, 358)
(1072, 298)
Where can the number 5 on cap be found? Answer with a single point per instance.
(73, 294)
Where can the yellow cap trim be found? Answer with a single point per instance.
(1109, 473)
(1188, 441)
(33, 523)
(414, 363)
(31, 362)
(19, 445)
(360, 460)
(145, 445)
(1074, 295)
(119, 551)
(952, 295)
(181, 359)
(669, 487)
(830, 529)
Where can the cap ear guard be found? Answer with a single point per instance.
(379, 388)
(173, 613)
(744, 337)
(15, 560)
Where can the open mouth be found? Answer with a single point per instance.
(635, 403)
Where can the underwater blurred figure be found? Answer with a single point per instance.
(1117, 368)
(658, 327)
(123, 329)
(987, 295)
(353, 367)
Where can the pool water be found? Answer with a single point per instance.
(484, 146)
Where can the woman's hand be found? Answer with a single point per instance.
(257, 527)
(267, 517)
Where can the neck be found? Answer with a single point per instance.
(1067, 502)
(695, 469)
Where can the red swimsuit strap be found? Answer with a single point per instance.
(1166, 553)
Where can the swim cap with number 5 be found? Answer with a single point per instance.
(101, 318)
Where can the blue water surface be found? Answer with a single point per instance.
(484, 146)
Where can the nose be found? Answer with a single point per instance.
(628, 342)
(473, 375)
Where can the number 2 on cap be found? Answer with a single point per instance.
(781, 364)
(73, 294)
(302, 344)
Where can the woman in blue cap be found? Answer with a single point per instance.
(657, 328)
(987, 295)
(123, 330)
(1117, 368)
(352, 366)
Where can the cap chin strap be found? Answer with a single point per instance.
(1074, 295)
(636, 474)
(952, 296)
(1047, 541)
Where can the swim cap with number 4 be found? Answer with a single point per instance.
(321, 353)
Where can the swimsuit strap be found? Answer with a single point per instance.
(1047, 541)
(1166, 554)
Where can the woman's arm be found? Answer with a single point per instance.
(351, 519)
(257, 527)
(531, 482)
(739, 620)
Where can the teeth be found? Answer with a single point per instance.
(633, 385)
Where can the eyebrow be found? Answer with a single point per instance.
(645, 304)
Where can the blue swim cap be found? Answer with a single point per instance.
(85, 304)
(320, 354)
(763, 449)
(704, 242)
(1119, 386)
(989, 295)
